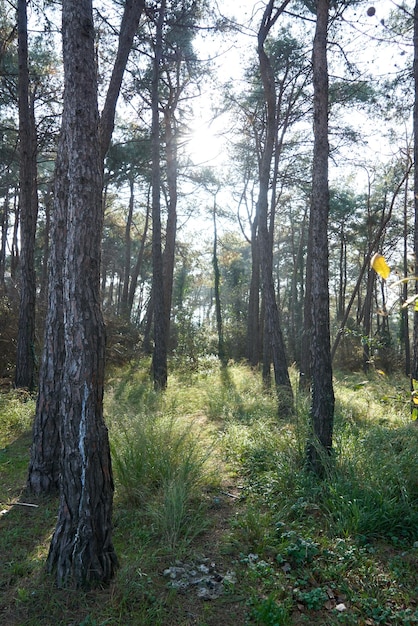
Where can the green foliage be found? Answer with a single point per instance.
(17, 408)
(160, 463)
(268, 612)
(9, 313)
(299, 546)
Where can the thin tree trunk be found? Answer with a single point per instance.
(367, 320)
(217, 281)
(405, 312)
(253, 323)
(138, 264)
(171, 228)
(25, 361)
(414, 368)
(159, 361)
(128, 246)
(272, 322)
(4, 231)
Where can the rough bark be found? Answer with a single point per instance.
(44, 460)
(322, 407)
(81, 551)
(25, 361)
(43, 474)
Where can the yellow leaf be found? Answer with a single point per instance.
(380, 266)
(414, 414)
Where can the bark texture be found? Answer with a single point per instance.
(25, 361)
(81, 551)
(322, 408)
(45, 451)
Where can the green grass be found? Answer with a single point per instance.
(206, 470)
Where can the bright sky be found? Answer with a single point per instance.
(363, 40)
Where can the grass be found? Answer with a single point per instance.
(206, 473)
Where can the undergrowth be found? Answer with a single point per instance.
(208, 472)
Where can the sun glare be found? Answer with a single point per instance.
(206, 146)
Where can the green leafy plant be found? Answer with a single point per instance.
(268, 612)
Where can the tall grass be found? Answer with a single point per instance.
(371, 490)
(162, 460)
(17, 408)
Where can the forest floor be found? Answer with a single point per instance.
(216, 520)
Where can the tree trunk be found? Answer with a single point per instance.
(367, 320)
(414, 367)
(127, 266)
(272, 322)
(4, 231)
(138, 264)
(43, 474)
(217, 281)
(25, 362)
(253, 322)
(44, 461)
(159, 360)
(404, 330)
(81, 551)
(322, 408)
(171, 228)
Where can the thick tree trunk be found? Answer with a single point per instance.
(44, 461)
(43, 474)
(322, 408)
(25, 361)
(81, 551)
